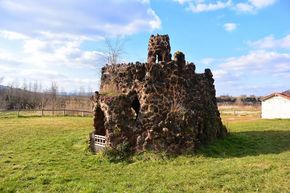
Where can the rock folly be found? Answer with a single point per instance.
(161, 105)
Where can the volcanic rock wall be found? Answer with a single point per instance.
(162, 106)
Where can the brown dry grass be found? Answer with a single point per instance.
(240, 107)
(235, 118)
(240, 113)
(110, 89)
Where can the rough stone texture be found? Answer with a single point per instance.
(167, 107)
(158, 49)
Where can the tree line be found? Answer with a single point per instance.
(31, 96)
(240, 100)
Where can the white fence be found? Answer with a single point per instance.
(46, 112)
(100, 140)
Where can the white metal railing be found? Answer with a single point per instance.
(100, 140)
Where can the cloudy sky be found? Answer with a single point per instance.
(246, 43)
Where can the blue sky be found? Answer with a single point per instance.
(246, 43)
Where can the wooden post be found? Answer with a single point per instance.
(63, 112)
(92, 142)
(42, 112)
(82, 113)
(18, 112)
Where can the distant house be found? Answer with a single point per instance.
(276, 105)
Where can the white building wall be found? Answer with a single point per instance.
(276, 107)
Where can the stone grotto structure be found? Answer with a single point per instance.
(161, 105)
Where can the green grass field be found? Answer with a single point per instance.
(49, 154)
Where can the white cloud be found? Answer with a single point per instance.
(156, 22)
(48, 40)
(182, 1)
(206, 7)
(207, 61)
(270, 42)
(50, 58)
(244, 7)
(256, 67)
(9, 35)
(258, 72)
(144, 1)
(258, 60)
(262, 70)
(218, 74)
(230, 26)
(89, 18)
(250, 6)
(262, 3)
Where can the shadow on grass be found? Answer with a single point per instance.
(237, 144)
(248, 143)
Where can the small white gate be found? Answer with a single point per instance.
(100, 141)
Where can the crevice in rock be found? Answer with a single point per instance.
(99, 122)
(136, 106)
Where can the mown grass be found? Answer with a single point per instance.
(49, 154)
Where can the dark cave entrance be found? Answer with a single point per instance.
(99, 122)
(136, 106)
(159, 58)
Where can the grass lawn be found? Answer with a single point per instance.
(49, 154)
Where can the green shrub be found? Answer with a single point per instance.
(121, 153)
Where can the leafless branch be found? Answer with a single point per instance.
(114, 49)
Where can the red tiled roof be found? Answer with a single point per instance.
(286, 92)
(276, 94)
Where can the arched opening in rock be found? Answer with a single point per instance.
(159, 58)
(99, 122)
(136, 106)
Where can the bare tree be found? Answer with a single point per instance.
(44, 99)
(35, 95)
(2, 95)
(53, 95)
(114, 49)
